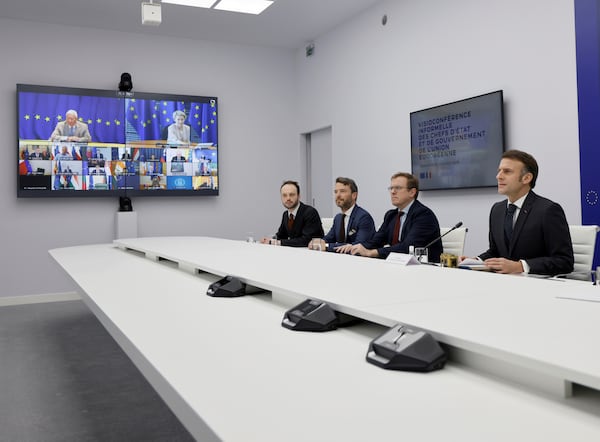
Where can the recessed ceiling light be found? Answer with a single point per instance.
(195, 3)
(245, 6)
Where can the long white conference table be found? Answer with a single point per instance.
(231, 372)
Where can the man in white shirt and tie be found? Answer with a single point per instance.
(299, 223)
(528, 233)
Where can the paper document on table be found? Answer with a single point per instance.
(473, 264)
(404, 259)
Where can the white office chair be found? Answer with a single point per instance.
(327, 224)
(584, 243)
(454, 242)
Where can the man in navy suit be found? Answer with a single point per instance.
(528, 233)
(299, 223)
(353, 225)
(409, 224)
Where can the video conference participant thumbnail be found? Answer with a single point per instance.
(71, 129)
(205, 182)
(178, 132)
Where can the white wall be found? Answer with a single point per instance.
(258, 146)
(364, 79)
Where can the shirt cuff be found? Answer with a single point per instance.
(525, 266)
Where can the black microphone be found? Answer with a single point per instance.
(458, 224)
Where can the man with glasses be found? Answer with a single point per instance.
(409, 224)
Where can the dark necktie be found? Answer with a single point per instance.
(396, 237)
(508, 223)
(342, 232)
(290, 222)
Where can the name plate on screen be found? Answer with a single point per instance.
(404, 259)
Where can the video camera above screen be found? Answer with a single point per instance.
(110, 141)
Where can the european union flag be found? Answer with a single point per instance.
(203, 119)
(39, 113)
(149, 119)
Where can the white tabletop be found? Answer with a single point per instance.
(228, 365)
(523, 320)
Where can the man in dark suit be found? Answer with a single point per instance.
(353, 225)
(36, 154)
(528, 233)
(178, 157)
(299, 223)
(409, 224)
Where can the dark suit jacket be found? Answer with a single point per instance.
(420, 228)
(361, 227)
(307, 225)
(540, 236)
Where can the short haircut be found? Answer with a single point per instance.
(347, 182)
(293, 183)
(411, 181)
(71, 112)
(178, 113)
(530, 165)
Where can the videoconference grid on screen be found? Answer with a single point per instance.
(138, 143)
(458, 145)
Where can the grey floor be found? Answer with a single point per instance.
(63, 378)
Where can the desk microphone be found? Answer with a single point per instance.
(458, 224)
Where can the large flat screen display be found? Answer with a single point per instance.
(458, 145)
(89, 142)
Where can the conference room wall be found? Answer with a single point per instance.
(364, 79)
(258, 143)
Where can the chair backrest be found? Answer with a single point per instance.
(454, 242)
(584, 244)
(327, 224)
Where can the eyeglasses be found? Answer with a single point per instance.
(396, 188)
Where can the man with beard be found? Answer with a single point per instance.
(299, 223)
(353, 225)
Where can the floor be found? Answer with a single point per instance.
(63, 378)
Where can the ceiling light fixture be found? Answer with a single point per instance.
(194, 3)
(151, 13)
(243, 6)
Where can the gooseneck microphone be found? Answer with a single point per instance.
(458, 224)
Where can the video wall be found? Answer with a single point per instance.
(88, 142)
